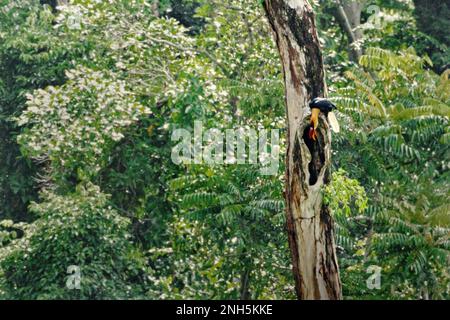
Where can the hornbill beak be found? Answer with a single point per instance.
(314, 123)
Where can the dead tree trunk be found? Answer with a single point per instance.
(309, 224)
(155, 8)
(348, 15)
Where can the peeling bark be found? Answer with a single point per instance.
(309, 224)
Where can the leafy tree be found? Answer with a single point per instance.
(31, 57)
(432, 20)
(399, 110)
(91, 91)
(244, 218)
(79, 230)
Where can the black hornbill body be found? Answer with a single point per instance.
(318, 105)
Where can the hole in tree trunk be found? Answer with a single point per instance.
(317, 155)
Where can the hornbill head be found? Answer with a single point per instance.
(318, 105)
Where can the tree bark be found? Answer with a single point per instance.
(348, 15)
(309, 224)
(155, 8)
(245, 282)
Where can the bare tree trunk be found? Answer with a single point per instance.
(245, 282)
(309, 224)
(155, 8)
(348, 15)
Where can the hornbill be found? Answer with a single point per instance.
(318, 105)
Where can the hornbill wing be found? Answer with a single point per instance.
(334, 124)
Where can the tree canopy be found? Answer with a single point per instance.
(92, 91)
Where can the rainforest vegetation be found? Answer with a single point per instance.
(91, 92)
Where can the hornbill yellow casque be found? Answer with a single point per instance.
(318, 105)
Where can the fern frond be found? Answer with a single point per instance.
(182, 182)
(268, 204)
(431, 110)
(200, 199)
(229, 213)
(440, 216)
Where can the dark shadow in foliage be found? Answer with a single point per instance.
(433, 20)
(184, 12)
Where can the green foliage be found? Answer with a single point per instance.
(90, 93)
(75, 126)
(407, 105)
(79, 229)
(432, 20)
(241, 221)
(398, 119)
(31, 57)
(343, 193)
(416, 239)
